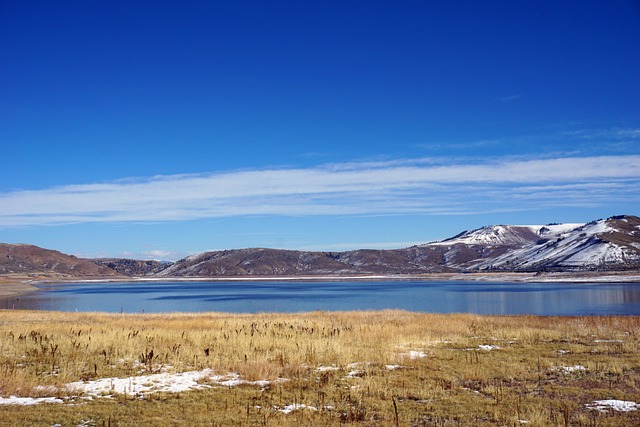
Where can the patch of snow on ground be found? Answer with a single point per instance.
(145, 384)
(142, 385)
(295, 406)
(570, 369)
(160, 383)
(613, 405)
(326, 368)
(393, 367)
(415, 354)
(355, 365)
(13, 400)
(485, 347)
(355, 373)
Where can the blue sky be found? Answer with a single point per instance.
(159, 129)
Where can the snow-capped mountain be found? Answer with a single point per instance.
(612, 243)
(605, 244)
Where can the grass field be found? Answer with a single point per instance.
(321, 368)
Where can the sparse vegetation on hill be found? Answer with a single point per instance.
(33, 260)
(605, 245)
(131, 267)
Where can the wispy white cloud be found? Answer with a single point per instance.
(448, 146)
(369, 188)
(612, 134)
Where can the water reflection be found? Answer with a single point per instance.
(251, 297)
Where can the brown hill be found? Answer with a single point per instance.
(280, 262)
(33, 261)
(258, 262)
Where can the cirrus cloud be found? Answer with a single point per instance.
(369, 188)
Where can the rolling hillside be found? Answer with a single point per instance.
(30, 260)
(604, 245)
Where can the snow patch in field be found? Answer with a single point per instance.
(613, 405)
(327, 368)
(356, 373)
(13, 400)
(483, 347)
(393, 367)
(160, 383)
(141, 385)
(486, 347)
(415, 354)
(296, 406)
(145, 384)
(571, 369)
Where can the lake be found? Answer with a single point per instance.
(547, 299)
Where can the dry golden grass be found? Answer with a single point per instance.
(454, 382)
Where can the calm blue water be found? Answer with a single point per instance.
(287, 296)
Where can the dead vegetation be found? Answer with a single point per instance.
(325, 368)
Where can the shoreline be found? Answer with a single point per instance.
(12, 286)
(10, 289)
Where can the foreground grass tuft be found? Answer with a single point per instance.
(323, 368)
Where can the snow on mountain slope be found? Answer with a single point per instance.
(602, 244)
(511, 235)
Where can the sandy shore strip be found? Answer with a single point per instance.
(612, 277)
(10, 288)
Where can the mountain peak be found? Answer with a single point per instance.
(493, 235)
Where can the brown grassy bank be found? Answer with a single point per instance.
(362, 368)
